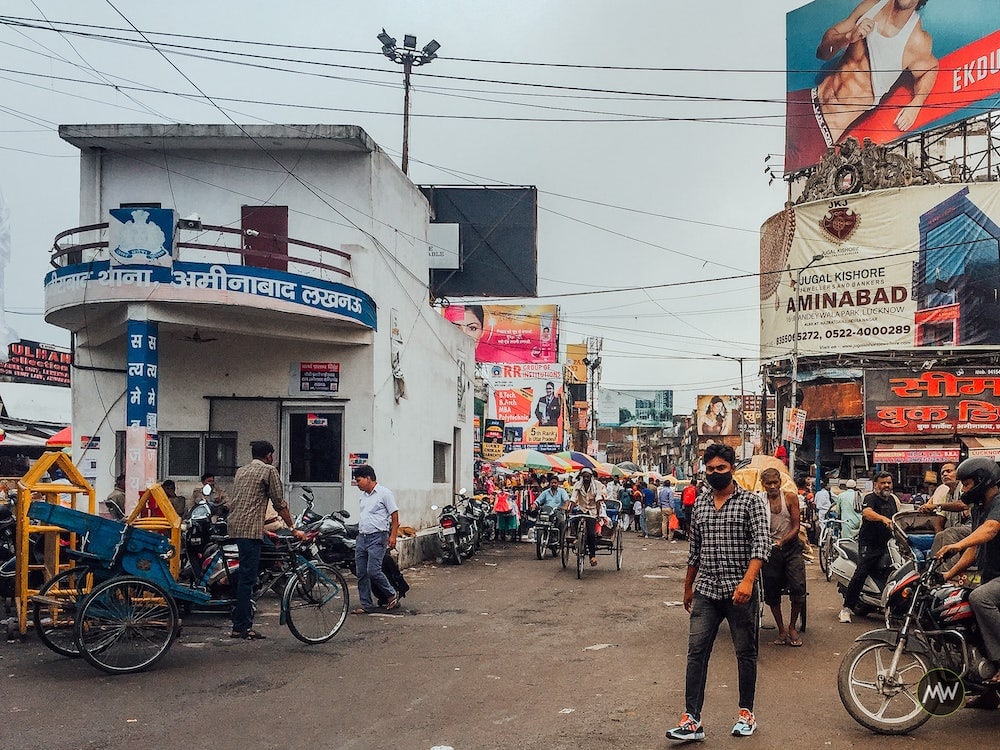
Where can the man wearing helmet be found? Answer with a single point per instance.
(979, 478)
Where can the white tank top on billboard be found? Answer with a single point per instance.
(885, 53)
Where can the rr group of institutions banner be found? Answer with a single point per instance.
(528, 400)
(908, 268)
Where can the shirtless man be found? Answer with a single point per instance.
(879, 40)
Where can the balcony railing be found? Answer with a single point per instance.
(71, 254)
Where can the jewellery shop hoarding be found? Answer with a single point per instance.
(910, 268)
(942, 401)
(939, 67)
(528, 401)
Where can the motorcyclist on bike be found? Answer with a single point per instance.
(980, 478)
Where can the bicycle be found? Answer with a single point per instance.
(829, 533)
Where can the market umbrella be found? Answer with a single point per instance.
(581, 461)
(614, 471)
(630, 467)
(61, 439)
(532, 459)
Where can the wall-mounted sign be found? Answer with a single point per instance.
(942, 401)
(319, 377)
(142, 236)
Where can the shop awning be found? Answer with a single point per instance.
(915, 453)
(987, 447)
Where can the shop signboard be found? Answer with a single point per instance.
(939, 401)
(528, 398)
(908, 268)
(939, 68)
(492, 447)
(31, 362)
(509, 333)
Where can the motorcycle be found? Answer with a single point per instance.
(550, 527)
(924, 662)
(457, 535)
(482, 513)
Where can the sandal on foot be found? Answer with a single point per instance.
(781, 640)
(794, 640)
(593, 562)
(248, 635)
(393, 603)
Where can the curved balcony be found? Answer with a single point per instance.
(236, 284)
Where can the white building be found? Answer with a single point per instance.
(269, 314)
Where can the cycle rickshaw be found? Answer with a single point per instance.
(610, 538)
(118, 605)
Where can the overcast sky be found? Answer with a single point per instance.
(640, 186)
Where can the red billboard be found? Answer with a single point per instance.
(882, 69)
(943, 401)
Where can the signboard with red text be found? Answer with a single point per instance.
(941, 401)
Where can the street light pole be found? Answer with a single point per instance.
(795, 354)
(743, 405)
(408, 57)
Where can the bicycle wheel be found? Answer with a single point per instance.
(824, 553)
(831, 555)
(53, 613)
(315, 603)
(581, 546)
(126, 625)
(564, 547)
(618, 548)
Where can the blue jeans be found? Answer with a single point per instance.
(706, 616)
(642, 521)
(368, 554)
(249, 551)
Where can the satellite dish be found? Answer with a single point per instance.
(197, 338)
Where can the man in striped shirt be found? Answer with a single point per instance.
(730, 540)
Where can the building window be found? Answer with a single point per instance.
(189, 455)
(441, 453)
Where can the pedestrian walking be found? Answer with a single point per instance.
(378, 524)
(729, 542)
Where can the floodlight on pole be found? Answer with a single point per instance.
(409, 58)
(795, 353)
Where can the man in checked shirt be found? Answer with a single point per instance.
(730, 539)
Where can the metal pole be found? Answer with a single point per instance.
(743, 415)
(819, 475)
(407, 67)
(795, 356)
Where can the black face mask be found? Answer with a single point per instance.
(720, 480)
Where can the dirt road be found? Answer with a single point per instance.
(504, 651)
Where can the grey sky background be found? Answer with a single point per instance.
(637, 190)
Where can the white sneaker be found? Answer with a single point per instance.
(845, 615)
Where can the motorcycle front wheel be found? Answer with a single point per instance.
(882, 702)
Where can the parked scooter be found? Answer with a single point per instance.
(458, 535)
(897, 563)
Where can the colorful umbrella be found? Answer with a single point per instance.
(630, 467)
(614, 471)
(531, 459)
(580, 460)
(61, 439)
